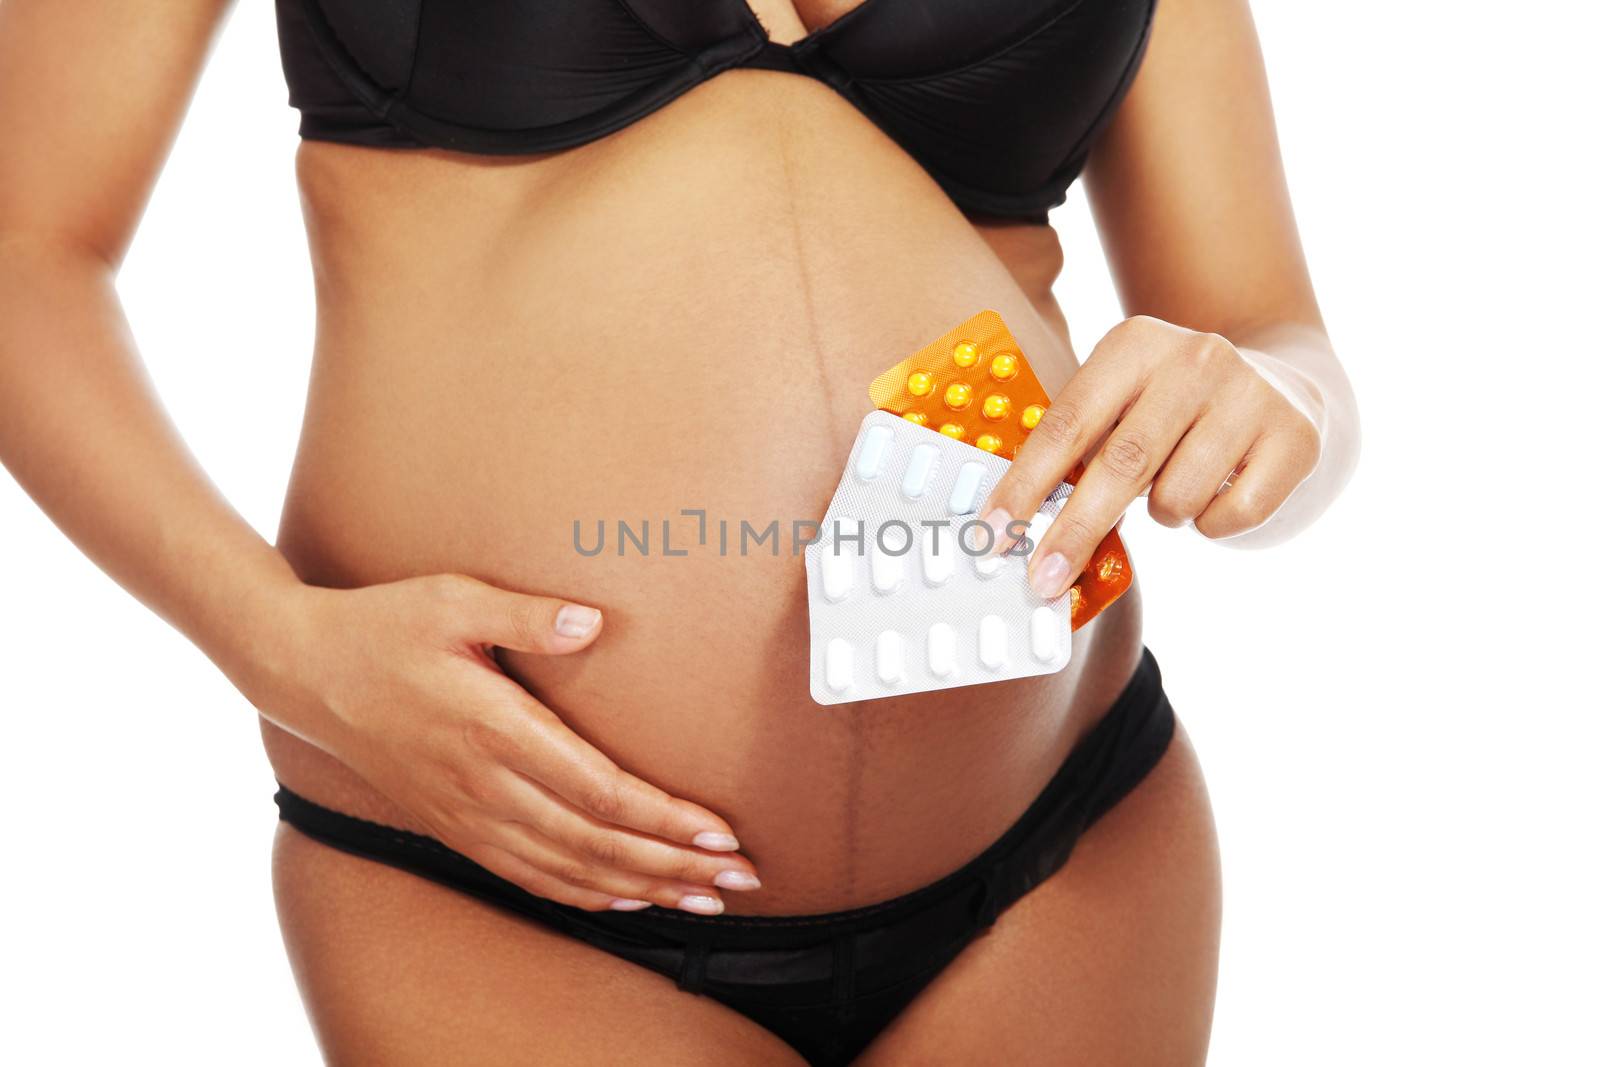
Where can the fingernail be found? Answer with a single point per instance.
(1050, 576)
(623, 904)
(701, 905)
(714, 842)
(736, 880)
(997, 520)
(574, 620)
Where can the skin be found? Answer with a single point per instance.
(418, 640)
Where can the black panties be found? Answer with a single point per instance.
(827, 984)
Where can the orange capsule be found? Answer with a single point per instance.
(1111, 567)
(920, 383)
(1003, 367)
(965, 354)
(953, 429)
(958, 396)
(917, 417)
(988, 442)
(996, 406)
(1075, 599)
(1031, 415)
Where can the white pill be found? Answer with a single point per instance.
(992, 642)
(888, 571)
(1038, 526)
(1045, 631)
(919, 472)
(988, 566)
(891, 658)
(938, 554)
(838, 561)
(941, 650)
(840, 668)
(964, 494)
(874, 446)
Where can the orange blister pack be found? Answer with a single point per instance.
(975, 385)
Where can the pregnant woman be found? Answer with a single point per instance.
(582, 260)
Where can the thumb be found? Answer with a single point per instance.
(526, 623)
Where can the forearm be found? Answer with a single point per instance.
(82, 431)
(1299, 360)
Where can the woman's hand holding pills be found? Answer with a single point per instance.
(399, 682)
(1180, 414)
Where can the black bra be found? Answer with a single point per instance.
(999, 100)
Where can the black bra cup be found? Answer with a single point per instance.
(999, 100)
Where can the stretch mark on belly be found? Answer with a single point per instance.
(855, 739)
(814, 338)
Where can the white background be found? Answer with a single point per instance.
(1391, 709)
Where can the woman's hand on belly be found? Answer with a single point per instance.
(399, 682)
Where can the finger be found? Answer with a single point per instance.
(523, 874)
(1188, 482)
(1272, 469)
(540, 853)
(608, 846)
(1126, 464)
(1084, 411)
(525, 623)
(547, 751)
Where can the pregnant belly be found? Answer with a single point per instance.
(653, 340)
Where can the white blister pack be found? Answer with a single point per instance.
(903, 595)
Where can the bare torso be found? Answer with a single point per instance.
(684, 314)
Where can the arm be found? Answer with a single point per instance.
(91, 95)
(1224, 365)
(1189, 192)
(80, 427)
